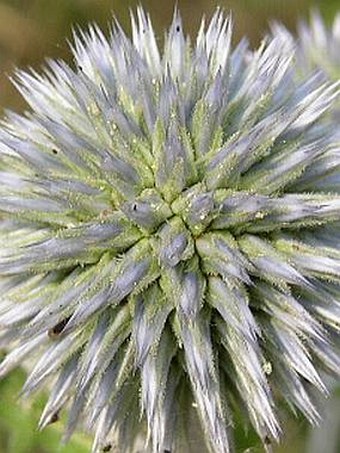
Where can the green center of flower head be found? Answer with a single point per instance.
(170, 234)
(174, 223)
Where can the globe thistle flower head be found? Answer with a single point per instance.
(169, 253)
(317, 48)
(319, 45)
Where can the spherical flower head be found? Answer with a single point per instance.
(169, 241)
(319, 45)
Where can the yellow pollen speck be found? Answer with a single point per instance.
(267, 368)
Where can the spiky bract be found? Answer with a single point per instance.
(170, 245)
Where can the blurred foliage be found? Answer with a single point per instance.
(19, 421)
(32, 30)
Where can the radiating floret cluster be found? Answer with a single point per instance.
(170, 242)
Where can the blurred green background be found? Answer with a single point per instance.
(32, 30)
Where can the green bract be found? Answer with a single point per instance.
(170, 236)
